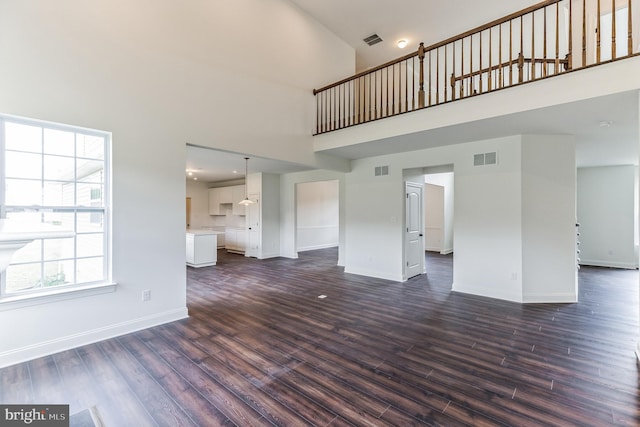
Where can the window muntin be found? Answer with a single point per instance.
(56, 175)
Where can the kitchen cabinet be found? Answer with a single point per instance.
(214, 202)
(235, 239)
(228, 196)
(202, 248)
(225, 194)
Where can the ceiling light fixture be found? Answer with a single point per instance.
(402, 43)
(606, 123)
(246, 201)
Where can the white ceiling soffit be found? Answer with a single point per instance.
(210, 165)
(597, 143)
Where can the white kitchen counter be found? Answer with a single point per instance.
(203, 232)
(202, 247)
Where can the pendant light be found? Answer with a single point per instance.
(246, 201)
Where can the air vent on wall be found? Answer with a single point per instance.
(381, 170)
(485, 159)
(372, 39)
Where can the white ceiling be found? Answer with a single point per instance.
(431, 21)
(209, 165)
(428, 21)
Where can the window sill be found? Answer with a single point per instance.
(20, 301)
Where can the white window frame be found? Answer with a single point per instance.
(54, 293)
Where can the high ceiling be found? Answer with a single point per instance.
(431, 21)
(428, 21)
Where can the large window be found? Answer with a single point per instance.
(56, 175)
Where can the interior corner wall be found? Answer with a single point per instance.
(487, 216)
(288, 232)
(318, 213)
(488, 221)
(270, 207)
(433, 217)
(157, 74)
(606, 207)
(199, 193)
(445, 179)
(548, 219)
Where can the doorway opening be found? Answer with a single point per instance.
(317, 219)
(431, 219)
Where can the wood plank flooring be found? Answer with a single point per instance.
(260, 348)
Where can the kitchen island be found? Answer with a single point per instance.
(202, 247)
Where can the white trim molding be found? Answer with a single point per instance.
(42, 349)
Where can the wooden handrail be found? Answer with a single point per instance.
(510, 63)
(483, 59)
(369, 71)
(442, 43)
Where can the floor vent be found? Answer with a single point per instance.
(372, 39)
(381, 170)
(485, 159)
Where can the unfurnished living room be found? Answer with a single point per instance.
(395, 213)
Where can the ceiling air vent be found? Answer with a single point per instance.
(372, 39)
(381, 170)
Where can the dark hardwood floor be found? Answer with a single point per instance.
(261, 348)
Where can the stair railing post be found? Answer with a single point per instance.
(421, 87)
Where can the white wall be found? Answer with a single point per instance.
(199, 193)
(267, 187)
(318, 214)
(548, 219)
(158, 74)
(606, 198)
(445, 179)
(490, 227)
(288, 233)
(433, 217)
(488, 222)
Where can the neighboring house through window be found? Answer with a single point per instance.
(57, 175)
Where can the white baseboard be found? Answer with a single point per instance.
(610, 264)
(487, 293)
(560, 298)
(314, 247)
(446, 251)
(270, 255)
(290, 255)
(374, 274)
(57, 345)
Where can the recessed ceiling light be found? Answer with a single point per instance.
(190, 173)
(235, 171)
(195, 178)
(606, 123)
(402, 43)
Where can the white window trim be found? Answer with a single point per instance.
(19, 300)
(54, 295)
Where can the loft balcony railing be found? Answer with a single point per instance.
(545, 40)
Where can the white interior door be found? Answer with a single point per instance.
(253, 227)
(414, 242)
